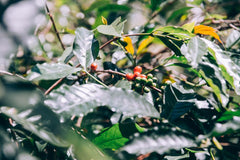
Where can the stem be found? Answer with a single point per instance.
(112, 72)
(53, 86)
(96, 79)
(54, 26)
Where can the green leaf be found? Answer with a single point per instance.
(177, 101)
(177, 32)
(115, 29)
(114, 8)
(162, 140)
(85, 47)
(177, 13)
(230, 69)
(194, 51)
(189, 26)
(232, 39)
(229, 115)
(52, 71)
(82, 99)
(116, 136)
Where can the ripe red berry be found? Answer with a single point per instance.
(129, 76)
(94, 66)
(137, 69)
(142, 76)
(136, 74)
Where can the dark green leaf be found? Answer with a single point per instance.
(177, 101)
(81, 99)
(233, 38)
(115, 29)
(51, 71)
(229, 115)
(161, 140)
(178, 13)
(85, 47)
(114, 8)
(194, 51)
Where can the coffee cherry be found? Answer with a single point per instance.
(138, 79)
(143, 76)
(94, 66)
(154, 84)
(146, 90)
(137, 69)
(129, 76)
(149, 76)
(155, 79)
(143, 80)
(136, 74)
(149, 82)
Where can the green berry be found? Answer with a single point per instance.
(149, 82)
(154, 84)
(149, 76)
(154, 79)
(138, 79)
(143, 81)
(146, 90)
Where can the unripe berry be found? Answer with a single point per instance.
(146, 90)
(155, 79)
(149, 76)
(149, 82)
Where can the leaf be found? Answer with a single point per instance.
(232, 39)
(177, 13)
(177, 101)
(189, 26)
(144, 44)
(161, 140)
(85, 47)
(230, 69)
(104, 20)
(206, 30)
(129, 46)
(52, 71)
(115, 29)
(114, 137)
(177, 32)
(194, 51)
(228, 115)
(82, 99)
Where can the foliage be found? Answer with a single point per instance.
(182, 101)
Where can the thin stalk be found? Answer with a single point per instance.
(96, 79)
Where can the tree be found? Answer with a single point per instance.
(102, 80)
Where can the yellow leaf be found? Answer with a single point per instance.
(144, 44)
(129, 46)
(206, 30)
(189, 26)
(104, 20)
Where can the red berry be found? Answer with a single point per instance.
(94, 66)
(130, 76)
(142, 76)
(136, 74)
(137, 69)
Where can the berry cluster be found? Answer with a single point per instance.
(141, 82)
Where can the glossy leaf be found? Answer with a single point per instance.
(115, 29)
(82, 99)
(116, 136)
(85, 47)
(160, 140)
(194, 51)
(228, 115)
(233, 38)
(206, 30)
(51, 71)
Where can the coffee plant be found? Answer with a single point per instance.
(120, 79)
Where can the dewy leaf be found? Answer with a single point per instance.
(206, 30)
(115, 29)
(230, 70)
(129, 46)
(52, 71)
(233, 38)
(81, 99)
(161, 140)
(144, 44)
(85, 47)
(114, 137)
(194, 51)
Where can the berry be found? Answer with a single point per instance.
(138, 79)
(149, 82)
(143, 80)
(146, 90)
(143, 76)
(136, 74)
(149, 76)
(129, 76)
(137, 69)
(154, 84)
(155, 79)
(94, 66)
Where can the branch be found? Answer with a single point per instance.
(54, 26)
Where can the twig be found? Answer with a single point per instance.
(112, 72)
(234, 27)
(54, 26)
(53, 86)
